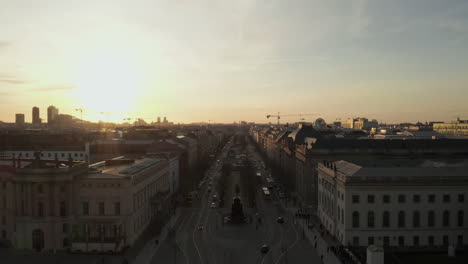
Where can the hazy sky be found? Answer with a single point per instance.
(218, 60)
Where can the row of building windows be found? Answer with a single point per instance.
(40, 210)
(401, 198)
(401, 220)
(40, 188)
(101, 208)
(416, 241)
(101, 185)
(50, 155)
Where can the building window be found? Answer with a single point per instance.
(23, 209)
(460, 217)
(431, 218)
(39, 188)
(342, 216)
(445, 240)
(117, 208)
(401, 198)
(355, 198)
(386, 241)
(355, 219)
(370, 219)
(40, 209)
(430, 240)
(85, 206)
(101, 208)
(65, 228)
(416, 219)
(386, 198)
(63, 155)
(446, 218)
(446, 198)
(370, 241)
(356, 241)
(416, 241)
(370, 198)
(460, 240)
(401, 241)
(386, 219)
(461, 198)
(431, 198)
(416, 198)
(401, 219)
(3, 220)
(63, 209)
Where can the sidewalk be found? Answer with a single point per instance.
(149, 250)
(315, 238)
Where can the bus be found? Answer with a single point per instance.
(266, 193)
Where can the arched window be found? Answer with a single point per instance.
(460, 218)
(416, 219)
(401, 219)
(386, 219)
(431, 218)
(446, 218)
(356, 219)
(370, 219)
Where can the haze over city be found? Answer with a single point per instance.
(227, 61)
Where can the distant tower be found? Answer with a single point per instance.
(159, 119)
(19, 119)
(165, 120)
(35, 116)
(52, 113)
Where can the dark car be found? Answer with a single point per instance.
(264, 249)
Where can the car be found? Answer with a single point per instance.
(281, 195)
(208, 190)
(215, 197)
(264, 249)
(200, 227)
(280, 220)
(213, 205)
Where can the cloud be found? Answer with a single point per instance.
(54, 88)
(4, 44)
(10, 79)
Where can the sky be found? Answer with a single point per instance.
(225, 61)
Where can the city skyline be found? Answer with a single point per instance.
(225, 62)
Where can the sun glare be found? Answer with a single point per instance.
(107, 86)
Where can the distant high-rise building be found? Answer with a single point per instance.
(19, 119)
(159, 119)
(52, 113)
(165, 120)
(35, 116)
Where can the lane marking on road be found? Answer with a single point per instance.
(186, 220)
(291, 246)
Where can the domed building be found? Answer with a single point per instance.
(320, 124)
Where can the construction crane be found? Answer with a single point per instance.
(279, 115)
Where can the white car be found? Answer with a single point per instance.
(213, 205)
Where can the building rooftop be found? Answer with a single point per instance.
(402, 168)
(121, 167)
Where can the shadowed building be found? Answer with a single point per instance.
(52, 204)
(36, 119)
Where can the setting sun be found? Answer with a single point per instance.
(107, 86)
